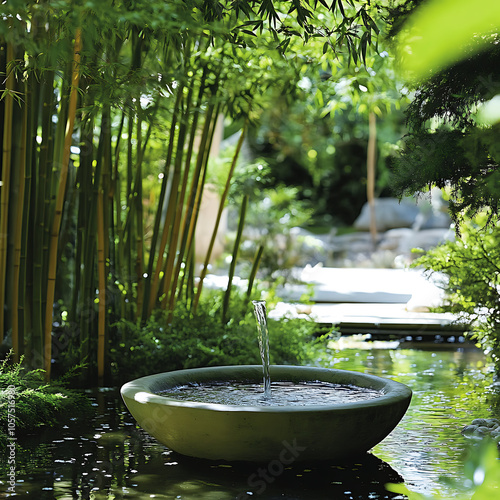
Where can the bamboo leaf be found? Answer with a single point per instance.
(439, 33)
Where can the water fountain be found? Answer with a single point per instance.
(286, 430)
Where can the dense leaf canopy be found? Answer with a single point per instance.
(446, 145)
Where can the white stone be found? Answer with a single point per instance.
(390, 213)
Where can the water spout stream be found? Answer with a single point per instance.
(263, 336)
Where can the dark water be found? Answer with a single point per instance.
(281, 393)
(110, 458)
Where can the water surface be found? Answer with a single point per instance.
(281, 393)
(110, 458)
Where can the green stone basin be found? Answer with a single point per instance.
(251, 433)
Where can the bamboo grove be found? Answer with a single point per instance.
(108, 112)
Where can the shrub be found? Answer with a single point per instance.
(36, 404)
(471, 265)
(203, 340)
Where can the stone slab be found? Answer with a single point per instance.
(363, 285)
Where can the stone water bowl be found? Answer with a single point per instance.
(255, 433)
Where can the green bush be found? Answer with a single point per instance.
(36, 404)
(471, 265)
(203, 340)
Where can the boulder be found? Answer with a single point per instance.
(390, 213)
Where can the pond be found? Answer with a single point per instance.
(110, 458)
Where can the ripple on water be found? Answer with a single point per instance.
(282, 393)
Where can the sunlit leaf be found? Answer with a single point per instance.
(440, 33)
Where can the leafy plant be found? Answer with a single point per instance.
(315, 138)
(37, 404)
(440, 31)
(472, 270)
(189, 341)
(448, 145)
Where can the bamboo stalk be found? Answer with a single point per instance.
(171, 279)
(6, 174)
(232, 267)
(201, 185)
(218, 219)
(176, 202)
(370, 184)
(18, 237)
(24, 319)
(154, 279)
(115, 225)
(137, 204)
(29, 248)
(255, 268)
(42, 216)
(139, 238)
(101, 269)
(51, 279)
(104, 155)
(183, 189)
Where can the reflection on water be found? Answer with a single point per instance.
(110, 458)
(450, 389)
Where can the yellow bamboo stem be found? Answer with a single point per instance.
(5, 188)
(56, 224)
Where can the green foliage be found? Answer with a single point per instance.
(150, 79)
(203, 340)
(37, 404)
(449, 144)
(316, 137)
(482, 473)
(471, 265)
(271, 216)
(463, 162)
(440, 31)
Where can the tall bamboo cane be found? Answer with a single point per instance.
(42, 215)
(370, 184)
(154, 277)
(51, 280)
(205, 148)
(218, 219)
(232, 267)
(171, 278)
(25, 296)
(101, 267)
(18, 236)
(6, 173)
